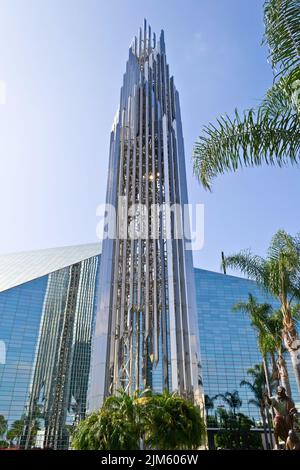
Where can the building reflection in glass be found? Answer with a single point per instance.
(60, 379)
(47, 305)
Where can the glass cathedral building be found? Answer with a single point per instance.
(75, 328)
(47, 305)
(48, 301)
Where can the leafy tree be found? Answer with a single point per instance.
(279, 274)
(271, 133)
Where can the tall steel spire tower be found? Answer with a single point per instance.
(146, 331)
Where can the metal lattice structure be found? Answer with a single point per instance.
(146, 330)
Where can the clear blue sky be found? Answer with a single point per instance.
(63, 62)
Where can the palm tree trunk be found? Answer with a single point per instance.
(275, 372)
(295, 358)
(266, 371)
(291, 341)
(284, 375)
(269, 419)
(263, 417)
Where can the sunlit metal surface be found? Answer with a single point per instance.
(146, 328)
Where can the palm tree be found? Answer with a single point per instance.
(279, 274)
(258, 388)
(16, 430)
(232, 399)
(113, 427)
(161, 421)
(209, 404)
(274, 326)
(271, 133)
(174, 423)
(268, 328)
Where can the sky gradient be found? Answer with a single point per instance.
(63, 62)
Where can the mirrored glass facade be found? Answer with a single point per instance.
(46, 326)
(228, 342)
(20, 316)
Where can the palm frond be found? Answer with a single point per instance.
(266, 342)
(247, 263)
(267, 325)
(283, 98)
(246, 383)
(283, 242)
(257, 371)
(296, 313)
(271, 133)
(251, 139)
(254, 402)
(282, 33)
(283, 265)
